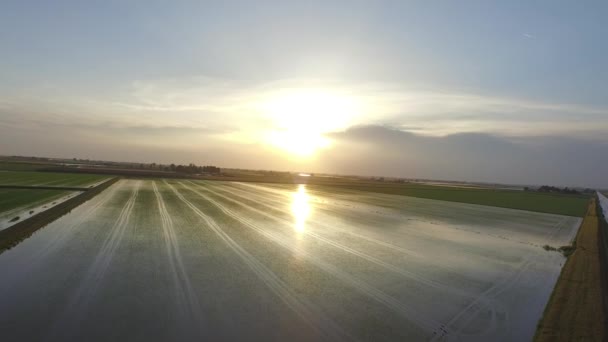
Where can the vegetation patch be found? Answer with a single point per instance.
(565, 250)
(549, 248)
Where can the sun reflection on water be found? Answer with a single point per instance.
(300, 208)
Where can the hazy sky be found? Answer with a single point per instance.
(515, 91)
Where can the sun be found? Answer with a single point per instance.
(302, 117)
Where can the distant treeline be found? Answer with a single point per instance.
(189, 169)
(554, 189)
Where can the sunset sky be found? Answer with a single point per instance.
(512, 92)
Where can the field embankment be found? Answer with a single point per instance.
(602, 207)
(11, 236)
(576, 311)
(118, 172)
(36, 187)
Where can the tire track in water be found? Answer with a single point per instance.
(266, 203)
(483, 301)
(427, 324)
(404, 251)
(349, 250)
(58, 239)
(77, 306)
(186, 298)
(306, 311)
(262, 201)
(283, 193)
(486, 300)
(53, 243)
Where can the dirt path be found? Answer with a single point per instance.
(575, 312)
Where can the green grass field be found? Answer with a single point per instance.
(48, 179)
(571, 205)
(11, 199)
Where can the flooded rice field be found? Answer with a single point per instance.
(173, 260)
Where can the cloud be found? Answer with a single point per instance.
(400, 131)
(215, 103)
(431, 111)
(381, 150)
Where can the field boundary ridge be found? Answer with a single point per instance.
(576, 309)
(18, 232)
(42, 187)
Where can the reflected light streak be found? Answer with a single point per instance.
(300, 208)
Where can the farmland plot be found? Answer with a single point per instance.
(23, 203)
(171, 260)
(49, 179)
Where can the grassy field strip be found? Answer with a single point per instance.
(186, 297)
(374, 293)
(33, 208)
(49, 179)
(24, 178)
(23, 203)
(304, 310)
(289, 226)
(20, 199)
(509, 218)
